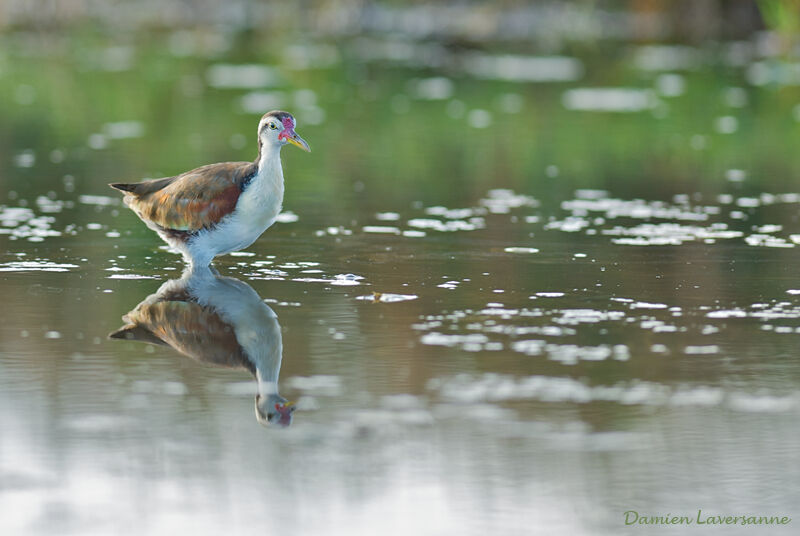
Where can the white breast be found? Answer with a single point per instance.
(256, 210)
(261, 201)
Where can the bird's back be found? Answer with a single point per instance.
(191, 201)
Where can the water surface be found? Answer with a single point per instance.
(508, 294)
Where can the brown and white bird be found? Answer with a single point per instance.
(218, 208)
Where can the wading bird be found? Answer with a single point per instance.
(219, 208)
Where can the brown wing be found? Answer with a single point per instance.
(191, 201)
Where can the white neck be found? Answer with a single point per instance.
(270, 157)
(261, 201)
(270, 173)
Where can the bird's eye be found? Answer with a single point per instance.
(273, 126)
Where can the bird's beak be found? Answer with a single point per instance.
(287, 408)
(297, 141)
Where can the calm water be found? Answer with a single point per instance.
(500, 298)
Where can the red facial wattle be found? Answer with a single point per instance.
(288, 129)
(290, 136)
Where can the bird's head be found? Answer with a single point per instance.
(274, 410)
(276, 129)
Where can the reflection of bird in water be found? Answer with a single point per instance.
(219, 208)
(218, 320)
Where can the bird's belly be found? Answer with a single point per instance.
(235, 233)
(256, 209)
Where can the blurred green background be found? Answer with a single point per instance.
(404, 102)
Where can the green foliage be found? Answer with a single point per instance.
(781, 15)
(376, 134)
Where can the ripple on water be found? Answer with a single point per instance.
(99, 200)
(764, 240)
(571, 354)
(649, 234)
(469, 342)
(339, 280)
(318, 385)
(573, 317)
(455, 213)
(501, 201)
(381, 229)
(591, 209)
(36, 266)
(48, 205)
(449, 225)
(492, 387)
(596, 201)
(727, 313)
(520, 249)
(764, 311)
(287, 217)
(387, 297)
(22, 222)
(300, 271)
(707, 349)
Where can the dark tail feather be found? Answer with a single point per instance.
(143, 188)
(123, 187)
